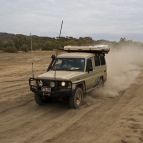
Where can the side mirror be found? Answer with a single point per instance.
(90, 69)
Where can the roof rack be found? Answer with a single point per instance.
(90, 49)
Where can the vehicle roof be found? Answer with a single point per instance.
(87, 48)
(98, 49)
(76, 55)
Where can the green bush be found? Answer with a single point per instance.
(24, 48)
(10, 50)
(46, 48)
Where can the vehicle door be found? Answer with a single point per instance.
(89, 75)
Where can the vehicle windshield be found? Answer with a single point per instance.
(70, 64)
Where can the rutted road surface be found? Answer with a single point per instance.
(99, 120)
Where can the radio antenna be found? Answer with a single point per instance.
(32, 56)
(61, 29)
(57, 49)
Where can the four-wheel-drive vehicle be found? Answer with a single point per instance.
(71, 74)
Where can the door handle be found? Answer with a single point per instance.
(104, 70)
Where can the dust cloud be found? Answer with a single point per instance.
(123, 67)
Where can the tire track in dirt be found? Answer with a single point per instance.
(50, 118)
(13, 93)
(102, 120)
(110, 121)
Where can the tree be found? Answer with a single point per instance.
(1, 44)
(19, 40)
(122, 39)
(10, 50)
(24, 48)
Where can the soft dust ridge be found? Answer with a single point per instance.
(123, 67)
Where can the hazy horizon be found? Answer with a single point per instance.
(98, 36)
(107, 19)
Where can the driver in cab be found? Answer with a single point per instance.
(66, 64)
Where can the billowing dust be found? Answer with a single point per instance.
(123, 66)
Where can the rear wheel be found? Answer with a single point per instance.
(38, 99)
(101, 83)
(75, 100)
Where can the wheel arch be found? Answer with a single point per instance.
(80, 85)
(103, 78)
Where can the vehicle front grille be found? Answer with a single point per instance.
(46, 82)
(57, 85)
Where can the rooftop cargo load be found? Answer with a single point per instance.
(91, 49)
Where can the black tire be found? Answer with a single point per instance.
(38, 99)
(101, 83)
(75, 100)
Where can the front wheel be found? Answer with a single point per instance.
(75, 100)
(38, 99)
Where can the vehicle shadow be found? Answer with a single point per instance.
(60, 104)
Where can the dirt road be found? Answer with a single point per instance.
(101, 119)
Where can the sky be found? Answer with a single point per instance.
(99, 19)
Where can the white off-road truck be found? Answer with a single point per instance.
(78, 70)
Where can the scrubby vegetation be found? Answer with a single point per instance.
(10, 50)
(14, 43)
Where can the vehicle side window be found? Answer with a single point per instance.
(97, 61)
(102, 59)
(89, 64)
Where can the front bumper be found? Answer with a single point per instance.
(56, 91)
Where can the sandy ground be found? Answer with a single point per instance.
(113, 115)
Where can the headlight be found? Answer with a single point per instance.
(33, 82)
(40, 83)
(52, 84)
(63, 83)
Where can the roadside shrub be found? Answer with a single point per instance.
(47, 48)
(10, 50)
(24, 48)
